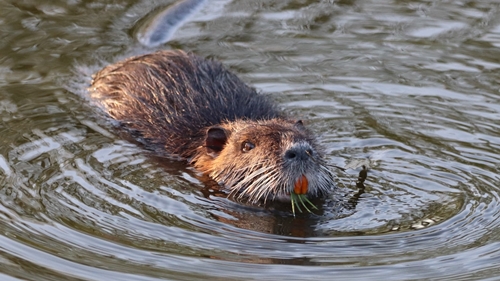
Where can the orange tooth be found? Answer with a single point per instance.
(301, 185)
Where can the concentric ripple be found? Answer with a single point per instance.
(408, 88)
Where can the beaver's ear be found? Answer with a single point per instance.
(216, 139)
(299, 124)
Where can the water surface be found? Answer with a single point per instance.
(408, 87)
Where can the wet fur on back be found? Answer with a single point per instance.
(167, 98)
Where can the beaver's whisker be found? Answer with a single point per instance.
(264, 189)
(250, 176)
(260, 185)
(268, 190)
(248, 181)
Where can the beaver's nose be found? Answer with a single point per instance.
(299, 151)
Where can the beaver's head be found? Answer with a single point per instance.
(264, 160)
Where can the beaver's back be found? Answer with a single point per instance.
(167, 99)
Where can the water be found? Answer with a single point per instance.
(408, 87)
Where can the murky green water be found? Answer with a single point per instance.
(410, 87)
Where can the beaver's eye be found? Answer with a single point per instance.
(246, 146)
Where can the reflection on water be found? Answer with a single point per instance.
(408, 87)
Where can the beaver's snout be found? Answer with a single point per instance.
(300, 151)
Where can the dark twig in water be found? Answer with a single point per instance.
(363, 174)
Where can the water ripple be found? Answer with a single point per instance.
(409, 89)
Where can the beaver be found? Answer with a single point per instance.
(180, 105)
